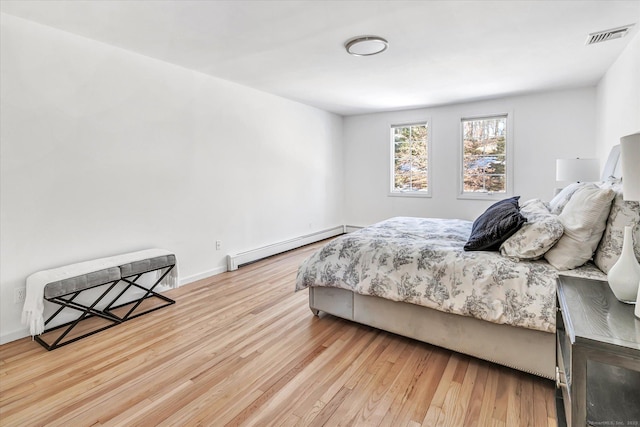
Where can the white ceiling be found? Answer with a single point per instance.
(440, 52)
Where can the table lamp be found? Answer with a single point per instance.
(577, 170)
(627, 269)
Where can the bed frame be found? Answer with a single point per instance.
(527, 350)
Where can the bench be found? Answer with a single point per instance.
(103, 293)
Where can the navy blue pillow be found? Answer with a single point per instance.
(495, 225)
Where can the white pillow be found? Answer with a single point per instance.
(584, 219)
(541, 231)
(561, 199)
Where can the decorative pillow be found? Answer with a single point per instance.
(541, 231)
(560, 200)
(611, 182)
(495, 225)
(537, 202)
(584, 219)
(622, 213)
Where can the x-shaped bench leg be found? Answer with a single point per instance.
(149, 292)
(86, 312)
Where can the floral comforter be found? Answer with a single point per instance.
(422, 261)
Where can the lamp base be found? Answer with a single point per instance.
(624, 276)
(637, 310)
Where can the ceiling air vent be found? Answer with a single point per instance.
(614, 33)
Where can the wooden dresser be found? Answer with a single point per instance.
(598, 356)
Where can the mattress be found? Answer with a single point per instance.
(422, 261)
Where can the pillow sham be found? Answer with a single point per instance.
(560, 200)
(584, 219)
(495, 225)
(622, 213)
(611, 182)
(541, 231)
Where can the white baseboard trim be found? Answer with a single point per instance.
(15, 335)
(203, 275)
(236, 260)
(22, 333)
(233, 261)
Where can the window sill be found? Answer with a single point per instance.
(410, 194)
(483, 196)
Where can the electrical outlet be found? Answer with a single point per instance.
(19, 295)
(218, 245)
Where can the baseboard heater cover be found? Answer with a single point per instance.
(236, 260)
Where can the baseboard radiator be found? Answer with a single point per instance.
(239, 259)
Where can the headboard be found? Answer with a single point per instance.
(613, 166)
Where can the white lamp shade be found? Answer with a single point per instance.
(630, 155)
(575, 170)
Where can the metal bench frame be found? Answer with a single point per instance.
(88, 311)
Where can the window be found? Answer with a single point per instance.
(484, 160)
(410, 159)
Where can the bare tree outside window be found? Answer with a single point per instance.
(485, 154)
(410, 158)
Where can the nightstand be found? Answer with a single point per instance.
(598, 355)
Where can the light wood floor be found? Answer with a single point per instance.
(242, 348)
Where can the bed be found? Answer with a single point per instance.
(413, 277)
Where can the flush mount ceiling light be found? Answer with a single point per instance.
(366, 45)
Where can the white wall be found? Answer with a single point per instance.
(104, 151)
(618, 99)
(546, 126)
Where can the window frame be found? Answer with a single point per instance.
(467, 195)
(392, 157)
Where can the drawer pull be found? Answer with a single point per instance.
(560, 379)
